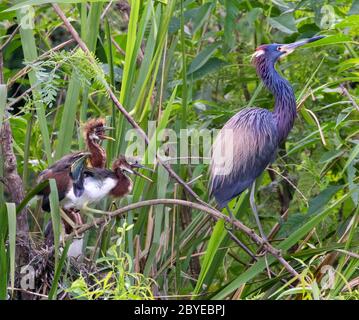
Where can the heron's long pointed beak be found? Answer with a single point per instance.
(140, 166)
(289, 48)
(142, 176)
(108, 137)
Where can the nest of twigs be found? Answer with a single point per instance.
(35, 279)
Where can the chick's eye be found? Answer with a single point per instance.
(279, 48)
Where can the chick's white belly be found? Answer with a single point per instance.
(94, 191)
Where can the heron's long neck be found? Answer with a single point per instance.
(122, 187)
(98, 154)
(285, 109)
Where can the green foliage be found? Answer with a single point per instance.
(117, 282)
(186, 64)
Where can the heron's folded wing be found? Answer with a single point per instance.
(60, 171)
(243, 149)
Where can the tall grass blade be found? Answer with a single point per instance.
(131, 55)
(162, 182)
(27, 146)
(212, 248)
(31, 194)
(68, 117)
(30, 54)
(58, 269)
(55, 217)
(3, 97)
(3, 269)
(11, 217)
(73, 92)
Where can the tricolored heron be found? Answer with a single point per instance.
(94, 134)
(255, 132)
(96, 184)
(99, 183)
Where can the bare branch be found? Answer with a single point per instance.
(345, 91)
(215, 214)
(3, 46)
(25, 70)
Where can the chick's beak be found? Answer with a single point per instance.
(106, 128)
(140, 166)
(289, 48)
(142, 176)
(108, 138)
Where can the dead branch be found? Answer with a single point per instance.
(215, 214)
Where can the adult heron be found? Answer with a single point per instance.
(248, 142)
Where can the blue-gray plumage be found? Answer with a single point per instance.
(256, 132)
(255, 143)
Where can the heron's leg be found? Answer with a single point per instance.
(230, 229)
(68, 222)
(64, 215)
(113, 205)
(239, 242)
(77, 217)
(231, 215)
(255, 212)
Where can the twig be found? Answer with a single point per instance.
(22, 96)
(290, 182)
(29, 292)
(345, 91)
(274, 231)
(139, 59)
(3, 46)
(349, 253)
(104, 13)
(25, 70)
(117, 47)
(215, 214)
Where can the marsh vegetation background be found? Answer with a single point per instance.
(185, 65)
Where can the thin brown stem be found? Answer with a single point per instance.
(215, 214)
(12, 35)
(345, 92)
(27, 69)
